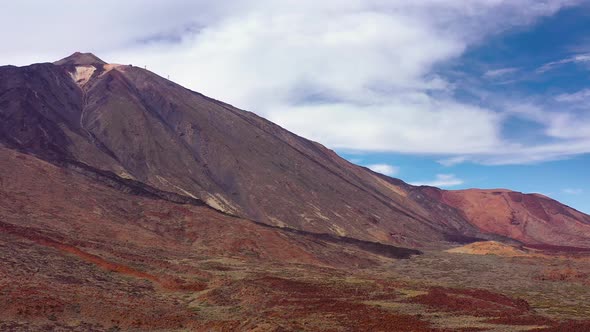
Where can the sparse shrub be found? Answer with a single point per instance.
(562, 274)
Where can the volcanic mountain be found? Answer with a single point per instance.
(128, 202)
(85, 114)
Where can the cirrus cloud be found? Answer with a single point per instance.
(572, 191)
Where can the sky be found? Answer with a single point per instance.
(455, 94)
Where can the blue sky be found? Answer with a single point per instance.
(512, 60)
(459, 94)
(564, 180)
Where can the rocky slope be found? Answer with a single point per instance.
(73, 248)
(532, 219)
(84, 250)
(61, 208)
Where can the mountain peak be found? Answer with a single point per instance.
(80, 59)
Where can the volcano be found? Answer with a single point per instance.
(139, 126)
(125, 179)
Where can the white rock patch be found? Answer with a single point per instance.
(82, 74)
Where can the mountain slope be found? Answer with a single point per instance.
(529, 218)
(80, 252)
(76, 250)
(49, 204)
(129, 121)
(138, 125)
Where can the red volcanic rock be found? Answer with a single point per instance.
(533, 219)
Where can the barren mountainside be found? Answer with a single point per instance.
(139, 126)
(533, 219)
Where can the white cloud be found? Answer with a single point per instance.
(576, 97)
(441, 180)
(572, 191)
(385, 169)
(355, 160)
(567, 120)
(452, 161)
(564, 132)
(577, 58)
(519, 154)
(513, 154)
(355, 75)
(496, 73)
(421, 126)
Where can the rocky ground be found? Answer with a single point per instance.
(76, 255)
(431, 292)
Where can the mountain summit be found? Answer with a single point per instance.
(80, 59)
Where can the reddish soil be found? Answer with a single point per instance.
(300, 305)
(571, 326)
(523, 320)
(500, 308)
(472, 302)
